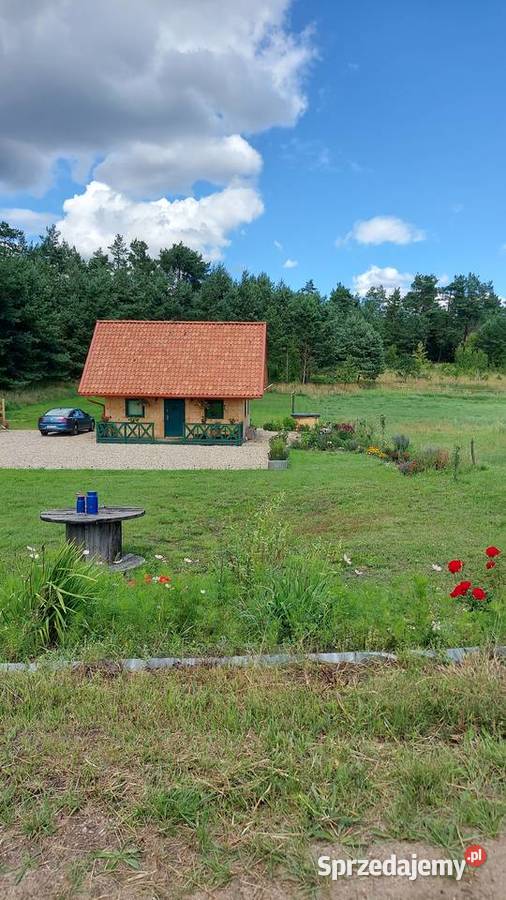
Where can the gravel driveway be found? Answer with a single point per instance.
(29, 450)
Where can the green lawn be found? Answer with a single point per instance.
(190, 780)
(25, 407)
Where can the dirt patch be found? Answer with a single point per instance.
(90, 857)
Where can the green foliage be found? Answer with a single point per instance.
(469, 359)
(358, 345)
(39, 608)
(286, 424)
(50, 299)
(278, 447)
(401, 442)
(491, 339)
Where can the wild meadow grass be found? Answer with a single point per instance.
(260, 593)
(246, 771)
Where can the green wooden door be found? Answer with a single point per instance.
(173, 416)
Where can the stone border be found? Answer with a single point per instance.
(452, 654)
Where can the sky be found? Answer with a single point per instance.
(331, 140)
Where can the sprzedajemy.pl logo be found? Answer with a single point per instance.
(395, 866)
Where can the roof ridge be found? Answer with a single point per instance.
(178, 322)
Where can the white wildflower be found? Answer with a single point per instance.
(436, 625)
(31, 549)
(159, 556)
(358, 572)
(187, 560)
(202, 591)
(86, 552)
(34, 555)
(436, 568)
(155, 579)
(347, 560)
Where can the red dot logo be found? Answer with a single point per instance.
(475, 855)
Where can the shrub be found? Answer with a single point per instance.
(278, 448)
(400, 442)
(433, 458)
(470, 360)
(344, 429)
(286, 424)
(407, 467)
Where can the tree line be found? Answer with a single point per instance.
(51, 297)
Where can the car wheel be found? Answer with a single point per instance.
(76, 429)
(43, 433)
(92, 425)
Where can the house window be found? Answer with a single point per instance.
(134, 409)
(214, 409)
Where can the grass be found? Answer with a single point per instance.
(192, 780)
(24, 407)
(393, 528)
(246, 771)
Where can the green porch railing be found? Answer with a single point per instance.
(200, 433)
(125, 432)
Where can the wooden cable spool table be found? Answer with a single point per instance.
(99, 534)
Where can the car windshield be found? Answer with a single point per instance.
(58, 412)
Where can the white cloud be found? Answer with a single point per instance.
(279, 246)
(382, 230)
(290, 264)
(389, 277)
(28, 219)
(158, 92)
(145, 100)
(151, 170)
(92, 219)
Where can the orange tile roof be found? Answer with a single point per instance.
(176, 359)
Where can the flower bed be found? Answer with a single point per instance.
(359, 437)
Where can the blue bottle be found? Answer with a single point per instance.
(80, 503)
(92, 503)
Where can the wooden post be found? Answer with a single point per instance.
(3, 420)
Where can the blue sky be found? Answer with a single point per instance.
(404, 120)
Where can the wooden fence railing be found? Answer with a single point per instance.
(125, 432)
(213, 434)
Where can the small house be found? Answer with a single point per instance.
(178, 382)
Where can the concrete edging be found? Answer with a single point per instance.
(452, 654)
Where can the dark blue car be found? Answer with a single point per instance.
(65, 421)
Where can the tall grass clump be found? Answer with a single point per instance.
(39, 607)
(284, 596)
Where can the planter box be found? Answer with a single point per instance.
(278, 464)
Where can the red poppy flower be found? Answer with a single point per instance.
(164, 579)
(490, 564)
(492, 551)
(455, 565)
(148, 579)
(131, 582)
(460, 589)
(479, 593)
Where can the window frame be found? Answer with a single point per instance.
(208, 406)
(137, 415)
